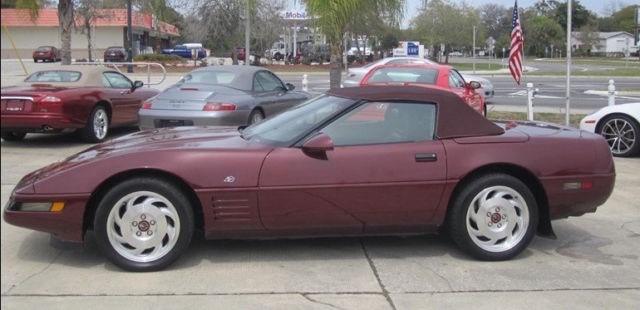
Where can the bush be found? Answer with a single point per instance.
(306, 60)
(161, 58)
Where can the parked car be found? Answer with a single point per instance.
(620, 126)
(323, 169)
(428, 75)
(115, 54)
(185, 51)
(90, 99)
(220, 95)
(355, 75)
(46, 53)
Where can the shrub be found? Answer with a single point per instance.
(161, 58)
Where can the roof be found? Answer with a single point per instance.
(109, 18)
(91, 76)
(455, 118)
(244, 74)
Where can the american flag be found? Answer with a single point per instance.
(515, 54)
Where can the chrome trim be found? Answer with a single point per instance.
(16, 97)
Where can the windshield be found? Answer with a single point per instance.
(44, 48)
(54, 76)
(208, 77)
(289, 126)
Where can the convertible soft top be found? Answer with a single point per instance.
(455, 118)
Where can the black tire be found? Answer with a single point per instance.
(256, 116)
(278, 56)
(630, 132)
(489, 217)
(484, 110)
(108, 237)
(35, 60)
(91, 133)
(13, 136)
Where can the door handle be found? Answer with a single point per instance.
(426, 157)
(125, 92)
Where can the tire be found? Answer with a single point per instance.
(97, 126)
(500, 227)
(13, 136)
(143, 224)
(484, 110)
(621, 133)
(35, 60)
(255, 117)
(278, 56)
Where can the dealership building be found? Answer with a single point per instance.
(110, 29)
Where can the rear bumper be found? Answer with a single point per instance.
(575, 202)
(36, 123)
(42, 57)
(149, 119)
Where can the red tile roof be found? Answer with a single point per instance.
(109, 18)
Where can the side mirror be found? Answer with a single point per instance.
(137, 84)
(290, 86)
(318, 145)
(473, 85)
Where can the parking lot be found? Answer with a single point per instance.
(594, 263)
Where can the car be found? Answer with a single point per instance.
(46, 53)
(115, 54)
(91, 99)
(355, 161)
(186, 51)
(426, 75)
(220, 95)
(620, 126)
(355, 75)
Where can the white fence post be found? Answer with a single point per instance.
(305, 83)
(612, 93)
(530, 94)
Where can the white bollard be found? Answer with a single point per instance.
(612, 93)
(530, 94)
(305, 83)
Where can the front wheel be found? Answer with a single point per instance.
(494, 217)
(256, 116)
(621, 133)
(97, 126)
(144, 224)
(13, 136)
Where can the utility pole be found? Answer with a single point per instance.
(247, 30)
(568, 104)
(475, 28)
(129, 38)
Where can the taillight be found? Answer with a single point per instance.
(146, 106)
(215, 106)
(51, 100)
(50, 104)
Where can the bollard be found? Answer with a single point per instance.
(305, 83)
(612, 93)
(530, 94)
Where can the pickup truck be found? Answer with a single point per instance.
(183, 51)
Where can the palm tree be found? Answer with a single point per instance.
(332, 17)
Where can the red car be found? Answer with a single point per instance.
(46, 53)
(86, 98)
(427, 75)
(115, 54)
(323, 169)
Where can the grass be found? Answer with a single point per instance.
(556, 118)
(633, 72)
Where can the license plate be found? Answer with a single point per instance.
(15, 106)
(171, 123)
(40, 53)
(112, 54)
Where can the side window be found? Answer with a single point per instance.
(257, 87)
(105, 82)
(384, 122)
(117, 80)
(268, 81)
(455, 79)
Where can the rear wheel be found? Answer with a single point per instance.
(97, 126)
(144, 224)
(35, 60)
(13, 136)
(484, 110)
(621, 133)
(494, 217)
(256, 116)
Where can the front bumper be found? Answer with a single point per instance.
(149, 119)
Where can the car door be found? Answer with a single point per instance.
(386, 173)
(271, 93)
(125, 104)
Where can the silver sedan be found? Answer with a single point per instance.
(220, 95)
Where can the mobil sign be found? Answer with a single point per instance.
(407, 48)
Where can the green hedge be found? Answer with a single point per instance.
(162, 58)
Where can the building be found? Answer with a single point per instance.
(110, 29)
(607, 43)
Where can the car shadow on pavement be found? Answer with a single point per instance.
(61, 140)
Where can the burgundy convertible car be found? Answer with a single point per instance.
(357, 161)
(86, 98)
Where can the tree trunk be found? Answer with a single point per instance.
(335, 67)
(88, 28)
(65, 17)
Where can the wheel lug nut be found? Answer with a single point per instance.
(488, 214)
(499, 225)
(490, 224)
(504, 216)
(149, 232)
(152, 222)
(143, 216)
(134, 223)
(497, 209)
(138, 233)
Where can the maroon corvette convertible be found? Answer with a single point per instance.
(357, 161)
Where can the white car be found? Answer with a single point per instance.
(620, 126)
(355, 75)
